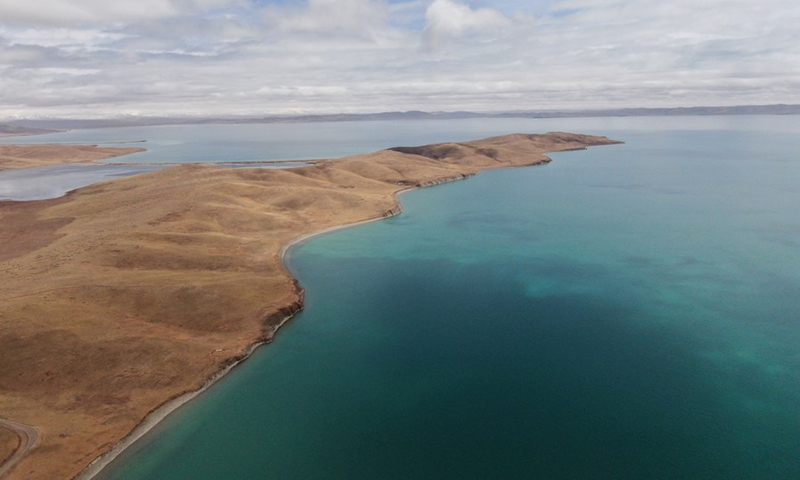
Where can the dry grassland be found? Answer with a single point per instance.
(29, 156)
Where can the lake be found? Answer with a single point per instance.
(628, 311)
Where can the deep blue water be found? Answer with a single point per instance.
(629, 311)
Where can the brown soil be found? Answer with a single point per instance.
(28, 156)
(125, 294)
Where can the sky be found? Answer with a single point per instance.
(90, 59)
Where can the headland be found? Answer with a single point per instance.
(30, 156)
(121, 297)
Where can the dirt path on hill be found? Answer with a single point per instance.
(28, 439)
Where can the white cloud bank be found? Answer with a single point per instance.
(217, 57)
(451, 19)
(67, 12)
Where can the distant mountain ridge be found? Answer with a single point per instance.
(15, 129)
(32, 126)
(780, 109)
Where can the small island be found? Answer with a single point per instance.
(125, 298)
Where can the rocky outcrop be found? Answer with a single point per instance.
(396, 210)
(439, 181)
(276, 318)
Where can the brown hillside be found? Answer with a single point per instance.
(28, 156)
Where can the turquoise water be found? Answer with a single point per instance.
(629, 311)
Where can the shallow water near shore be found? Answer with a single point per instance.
(629, 311)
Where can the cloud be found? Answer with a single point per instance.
(320, 17)
(447, 19)
(59, 37)
(69, 12)
(216, 57)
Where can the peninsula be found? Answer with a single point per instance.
(122, 296)
(30, 156)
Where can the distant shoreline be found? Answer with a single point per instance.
(20, 156)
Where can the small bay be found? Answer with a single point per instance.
(629, 311)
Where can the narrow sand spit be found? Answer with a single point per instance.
(122, 297)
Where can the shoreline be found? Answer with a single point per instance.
(211, 248)
(154, 418)
(162, 412)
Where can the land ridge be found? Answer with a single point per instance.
(122, 295)
(13, 157)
